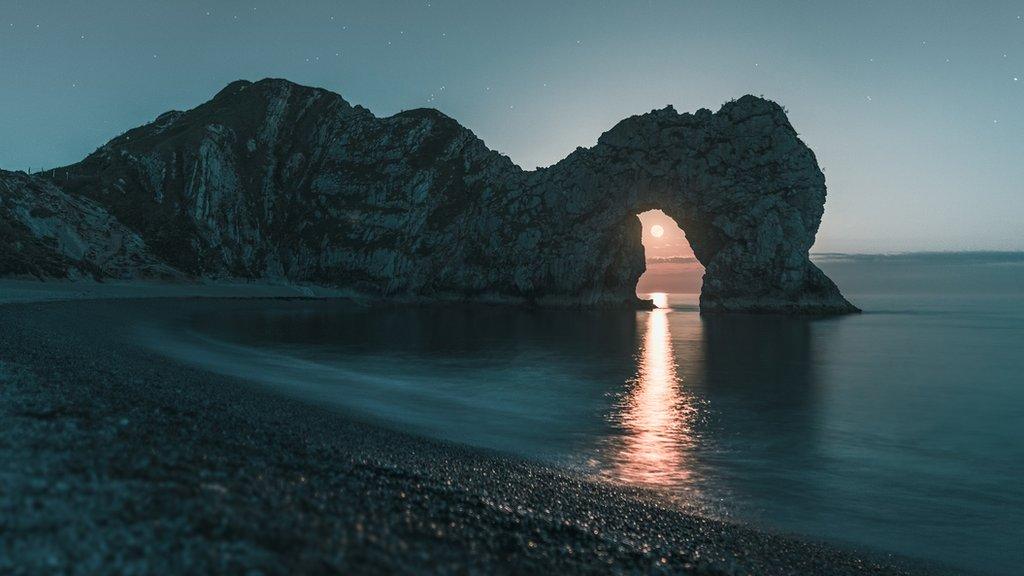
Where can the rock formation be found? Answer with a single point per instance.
(272, 180)
(45, 232)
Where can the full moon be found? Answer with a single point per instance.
(657, 231)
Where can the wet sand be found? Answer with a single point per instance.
(117, 459)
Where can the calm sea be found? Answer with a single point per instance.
(900, 429)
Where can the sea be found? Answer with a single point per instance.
(899, 430)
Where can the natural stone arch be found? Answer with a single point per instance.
(746, 191)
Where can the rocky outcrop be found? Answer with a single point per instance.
(47, 233)
(280, 181)
(746, 191)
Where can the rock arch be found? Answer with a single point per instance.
(747, 192)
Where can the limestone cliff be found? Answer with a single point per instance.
(47, 233)
(278, 181)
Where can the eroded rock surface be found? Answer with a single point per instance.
(273, 180)
(45, 232)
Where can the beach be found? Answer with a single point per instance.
(117, 459)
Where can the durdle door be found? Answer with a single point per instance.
(277, 181)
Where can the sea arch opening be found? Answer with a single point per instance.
(670, 264)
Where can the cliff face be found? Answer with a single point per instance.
(279, 181)
(45, 232)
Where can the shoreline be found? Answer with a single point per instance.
(119, 459)
(26, 290)
(21, 291)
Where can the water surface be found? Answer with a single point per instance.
(899, 429)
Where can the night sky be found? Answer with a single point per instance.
(914, 109)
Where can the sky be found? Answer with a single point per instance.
(915, 110)
(662, 237)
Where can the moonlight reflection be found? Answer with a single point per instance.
(655, 414)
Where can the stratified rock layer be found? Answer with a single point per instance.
(274, 180)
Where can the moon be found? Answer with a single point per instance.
(657, 231)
